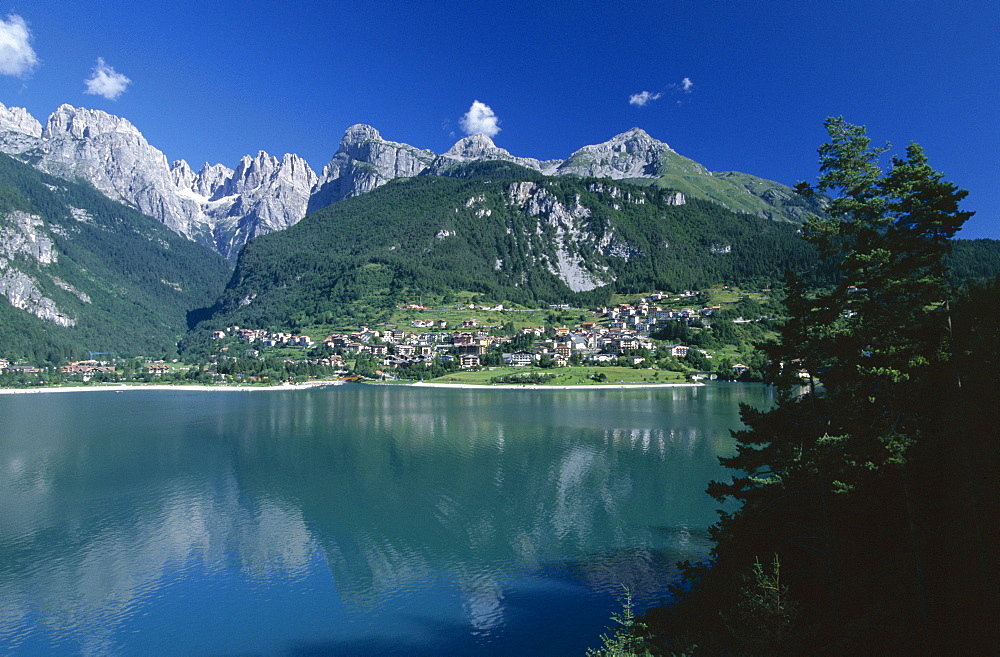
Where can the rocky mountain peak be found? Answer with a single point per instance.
(358, 134)
(294, 167)
(363, 162)
(480, 147)
(631, 141)
(208, 184)
(17, 119)
(86, 123)
(182, 175)
(476, 146)
(266, 170)
(631, 154)
(211, 180)
(261, 164)
(634, 134)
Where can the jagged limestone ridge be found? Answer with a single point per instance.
(225, 207)
(219, 206)
(363, 162)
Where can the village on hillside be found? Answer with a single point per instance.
(657, 331)
(620, 334)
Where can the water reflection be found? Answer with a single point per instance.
(117, 510)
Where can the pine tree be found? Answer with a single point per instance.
(627, 638)
(833, 460)
(868, 339)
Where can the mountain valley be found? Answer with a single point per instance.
(104, 246)
(79, 272)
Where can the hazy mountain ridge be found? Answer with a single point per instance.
(224, 207)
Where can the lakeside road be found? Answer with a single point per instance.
(525, 386)
(159, 386)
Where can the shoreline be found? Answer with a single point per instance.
(525, 386)
(125, 387)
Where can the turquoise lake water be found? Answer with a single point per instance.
(351, 520)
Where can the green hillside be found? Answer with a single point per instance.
(122, 280)
(563, 240)
(735, 191)
(741, 192)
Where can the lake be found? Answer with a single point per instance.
(350, 520)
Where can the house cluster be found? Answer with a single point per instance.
(86, 368)
(6, 366)
(644, 315)
(394, 346)
(590, 342)
(624, 332)
(264, 338)
(468, 344)
(429, 323)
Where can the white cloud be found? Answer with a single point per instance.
(17, 58)
(642, 99)
(106, 81)
(646, 97)
(480, 118)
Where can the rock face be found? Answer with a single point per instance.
(111, 154)
(23, 237)
(565, 228)
(24, 234)
(632, 154)
(220, 207)
(363, 162)
(18, 129)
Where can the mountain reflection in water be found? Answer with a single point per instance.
(411, 521)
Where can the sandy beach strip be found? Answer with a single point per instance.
(191, 388)
(527, 386)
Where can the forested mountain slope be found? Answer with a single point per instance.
(973, 263)
(80, 273)
(507, 233)
(223, 207)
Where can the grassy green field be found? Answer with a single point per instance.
(733, 294)
(402, 318)
(569, 376)
(717, 294)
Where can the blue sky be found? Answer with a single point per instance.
(735, 85)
